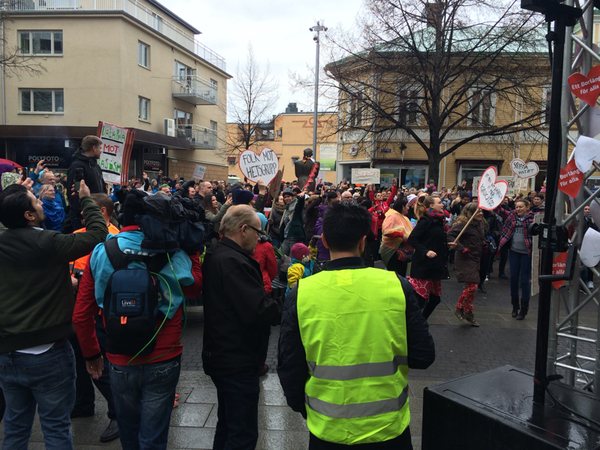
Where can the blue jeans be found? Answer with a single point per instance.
(237, 413)
(144, 396)
(520, 274)
(47, 381)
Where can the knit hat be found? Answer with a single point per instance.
(241, 197)
(133, 205)
(299, 251)
(287, 191)
(263, 220)
(412, 198)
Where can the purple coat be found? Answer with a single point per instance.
(322, 251)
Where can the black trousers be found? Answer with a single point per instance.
(402, 442)
(85, 394)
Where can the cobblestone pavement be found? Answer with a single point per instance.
(460, 350)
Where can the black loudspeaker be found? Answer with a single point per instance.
(495, 411)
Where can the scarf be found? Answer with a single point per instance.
(438, 215)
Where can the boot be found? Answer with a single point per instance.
(459, 314)
(434, 300)
(515, 305)
(524, 309)
(470, 318)
(481, 288)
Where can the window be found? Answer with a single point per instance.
(231, 160)
(280, 132)
(355, 109)
(144, 109)
(482, 107)
(407, 103)
(183, 72)
(41, 42)
(213, 83)
(546, 100)
(42, 101)
(157, 22)
(143, 55)
(183, 118)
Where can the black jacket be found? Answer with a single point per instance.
(236, 309)
(292, 368)
(92, 175)
(429, 234)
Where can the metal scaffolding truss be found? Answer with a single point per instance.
(574, 344)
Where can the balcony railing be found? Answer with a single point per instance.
(193, 89)
(199, 137)
(133, 8)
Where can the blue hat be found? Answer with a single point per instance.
(263, 220)
(241, 197)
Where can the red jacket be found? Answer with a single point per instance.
(167, 341)
(265, 255)
(381, 207)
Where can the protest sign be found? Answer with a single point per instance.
(570, 179)
(586, 152)
(276, 183)
(199, 172)
(491, 191)
(595, 211)
(263, 166)
(364, 176)
(117, 143)
(587, 88)
(328, 156)
(559, 265)
(524, 170)
(590, 248)
(515, 184)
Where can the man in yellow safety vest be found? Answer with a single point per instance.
(348, 337)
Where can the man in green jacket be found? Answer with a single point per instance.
(36, 307)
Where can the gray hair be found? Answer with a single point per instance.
(235, 217)
(44, 188)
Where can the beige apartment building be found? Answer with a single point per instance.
(288, 134)
(132, 63)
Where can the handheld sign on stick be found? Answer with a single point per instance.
(263, 166)
(490, 194)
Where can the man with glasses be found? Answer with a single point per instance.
(236, 309)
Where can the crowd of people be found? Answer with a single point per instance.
(109, 307)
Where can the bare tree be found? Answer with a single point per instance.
(251, 101)
(12, 62)
(441, 71)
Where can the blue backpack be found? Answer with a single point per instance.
(131, 302)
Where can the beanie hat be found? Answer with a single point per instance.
(241, 196)
(299, 251)
(287, 191)
(412, 198)
(263, 220)
(331, 195)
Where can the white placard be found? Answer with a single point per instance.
(363, 176)
(117, 143)
(491, 192)
(524, 170)
(515, 185)
(199, 172)
(263, 166)
(590, 248)
(586, 152)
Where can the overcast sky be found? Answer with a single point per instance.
(278, 30)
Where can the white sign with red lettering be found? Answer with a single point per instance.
(364, 176)
(491, 192)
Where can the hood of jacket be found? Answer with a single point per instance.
(79, 155)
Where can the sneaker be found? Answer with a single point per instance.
(459, 314)
(503, 276)
(487, 277)
(470, 319)
(263, 370)
(590, 284)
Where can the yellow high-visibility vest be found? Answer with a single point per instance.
(353, 329)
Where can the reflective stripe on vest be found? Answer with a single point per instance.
(353, 328)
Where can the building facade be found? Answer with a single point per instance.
(132, 63)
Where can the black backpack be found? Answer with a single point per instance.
(131, 302)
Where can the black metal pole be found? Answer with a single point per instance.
(555, 140)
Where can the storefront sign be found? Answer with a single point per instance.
(151, 165)
(353, 150)
(364, 176)
(263, 166)
(51, 161)
(116, 152)
(328, 156)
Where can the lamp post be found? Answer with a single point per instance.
(316, 29)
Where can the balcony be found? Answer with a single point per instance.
(193, 89)
(133, 8)
(199, 137)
